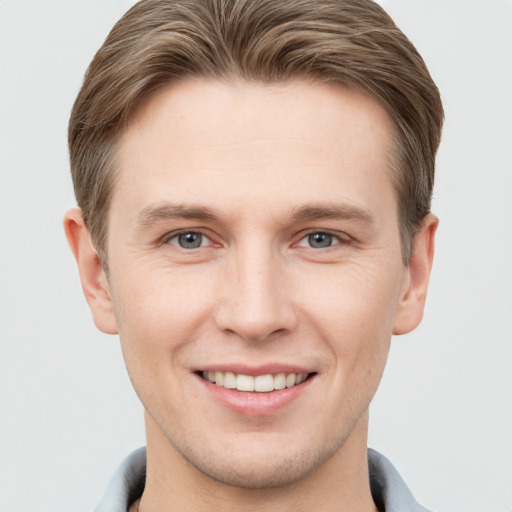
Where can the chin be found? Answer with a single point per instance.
(259, 474)
(263, 465)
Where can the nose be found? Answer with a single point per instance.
(256, 303)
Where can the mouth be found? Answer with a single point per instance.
(257, 392)
(258, 384)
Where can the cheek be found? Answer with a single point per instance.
(353, 310)
(354, 298)
(159, 310)
(159, 314)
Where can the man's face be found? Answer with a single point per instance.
(253, 232)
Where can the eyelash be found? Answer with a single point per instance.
(337, 238)
(171, 236)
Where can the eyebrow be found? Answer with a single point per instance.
(169, 211)
(316, 211)
(336, 211)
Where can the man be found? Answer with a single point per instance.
(254, 183)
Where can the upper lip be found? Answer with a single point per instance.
(255, 370)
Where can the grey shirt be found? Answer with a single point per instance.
(388, 489)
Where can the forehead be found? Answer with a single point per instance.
(209, 141)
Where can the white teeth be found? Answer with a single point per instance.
(260, 384)
(280, 381)
(219, 378)
(264, 383)
(229, 380)
(244, 383)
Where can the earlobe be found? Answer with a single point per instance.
(412, 301)
(92, 276)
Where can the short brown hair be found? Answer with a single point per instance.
(353, 43)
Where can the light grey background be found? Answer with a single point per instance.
(443, 413)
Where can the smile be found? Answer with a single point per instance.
(259, 384)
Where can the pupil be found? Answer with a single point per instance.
(190, 240)
(320, 240)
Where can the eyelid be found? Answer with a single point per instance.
(166, 239)
(342, 238)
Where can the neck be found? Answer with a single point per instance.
(339, 483)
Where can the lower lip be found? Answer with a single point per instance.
(252, 403)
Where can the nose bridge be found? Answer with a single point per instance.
(255, 302)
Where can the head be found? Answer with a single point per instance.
(256, 177)
(351, 43)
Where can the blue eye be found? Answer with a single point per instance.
(320, 240)
(188, 240)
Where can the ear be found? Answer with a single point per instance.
(94, 281)
(414, 292)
